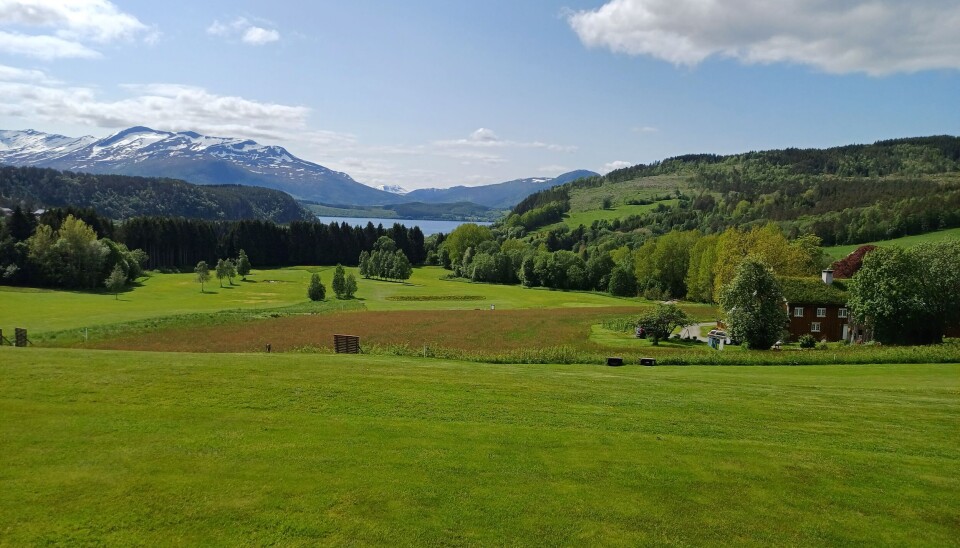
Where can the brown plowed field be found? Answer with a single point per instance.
(467, 330)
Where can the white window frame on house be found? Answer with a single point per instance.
(821, 312)
(842, 313)
(798, 312)
(815, 327)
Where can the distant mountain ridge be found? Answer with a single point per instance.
(500, 195)
(200, 159)
(189, 156)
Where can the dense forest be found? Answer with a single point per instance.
(179, 244)
(123, 197)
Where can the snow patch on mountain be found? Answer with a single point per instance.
(393, 189)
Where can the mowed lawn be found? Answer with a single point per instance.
(154, 296)
(156, 449)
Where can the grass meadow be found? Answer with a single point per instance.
(120, 448)
(165, 295)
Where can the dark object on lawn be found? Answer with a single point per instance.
(614, 362)
(20, 337)
(4, 339)
(648, 361)
(268, 348)
(346, 344)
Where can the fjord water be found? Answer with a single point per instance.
(428, 227)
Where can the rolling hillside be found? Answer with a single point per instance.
(122, 197)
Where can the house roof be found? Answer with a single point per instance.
(813, 291)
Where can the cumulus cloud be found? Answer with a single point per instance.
(487, 138)
(50, 30)
(33, 95)
(241, 28)
(876, 37)
(614, 165)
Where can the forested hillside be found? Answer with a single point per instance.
(844, 195)
(679, 228)
(122, 197)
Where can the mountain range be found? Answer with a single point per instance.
(191, 157)
(200, 159)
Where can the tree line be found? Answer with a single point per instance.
(179, 244)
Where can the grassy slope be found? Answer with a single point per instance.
(841, 251)
(586, 218)
(152, 448)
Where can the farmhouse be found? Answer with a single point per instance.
(817, 307)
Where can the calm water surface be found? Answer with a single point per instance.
(428, 227)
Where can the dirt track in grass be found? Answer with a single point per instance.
(468, 330)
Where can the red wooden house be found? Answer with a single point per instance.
(817, 307)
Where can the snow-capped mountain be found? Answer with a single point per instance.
(393, 189)
(192, 157)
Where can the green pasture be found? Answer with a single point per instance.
(114, 448)
(160, 295)
(841, 251)
(591, 199)
(586, 218)
(154, 296)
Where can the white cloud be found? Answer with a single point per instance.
(257, 36)
(484, 135)
(33, 95)
(44, 47)
(645, 129)
(614, 165)
(25, 75)
(241, 28)
(68, 27)
(876, 37)
(487, 138)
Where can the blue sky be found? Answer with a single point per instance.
(440, 93)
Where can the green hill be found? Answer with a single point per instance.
(845, 195)
(122, 196)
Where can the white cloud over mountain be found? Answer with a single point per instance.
(877, 37)
(33, 95)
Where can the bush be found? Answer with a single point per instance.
(807, 341)
(316, 290)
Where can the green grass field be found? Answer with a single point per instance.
(841, 251)
(162, 295)
(157, 295)
(119, 448)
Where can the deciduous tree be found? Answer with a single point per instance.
(662, 320)
(754, 306)
(202, 272)
(116, 281)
